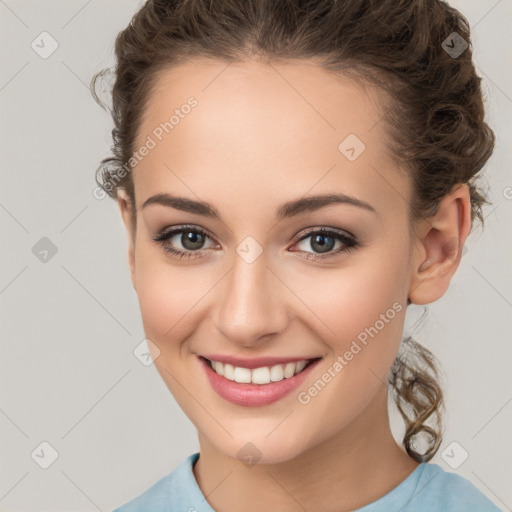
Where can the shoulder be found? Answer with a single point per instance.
(155, 498)
(438, 489)
(169, 492)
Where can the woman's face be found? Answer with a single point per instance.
(253, 139)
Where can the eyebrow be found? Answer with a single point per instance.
(289, 209)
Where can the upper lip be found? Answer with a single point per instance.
(257, 362)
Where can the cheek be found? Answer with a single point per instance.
(364, 307)
(166, 294)
(361, 309)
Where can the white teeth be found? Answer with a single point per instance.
(218, 367)
(229, 371)
(276, 373)
(260, 375)
(300, 366)
(242, 375)
(263, 375)
(289, 370)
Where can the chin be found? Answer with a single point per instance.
(259, 449)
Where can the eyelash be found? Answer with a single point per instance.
(350, 243)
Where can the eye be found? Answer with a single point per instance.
(322, 242)
(192, 240)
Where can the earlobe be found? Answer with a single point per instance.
(126, 210)
(439, 249)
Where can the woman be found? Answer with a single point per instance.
(292, 175)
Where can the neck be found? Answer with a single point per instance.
(350, 469)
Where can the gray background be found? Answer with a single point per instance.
(70, 324)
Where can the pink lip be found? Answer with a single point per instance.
(254, 363)
(254, 394)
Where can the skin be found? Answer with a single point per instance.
(263, 134)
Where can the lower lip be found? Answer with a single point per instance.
(253, 395)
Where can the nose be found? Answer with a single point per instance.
(251, 304)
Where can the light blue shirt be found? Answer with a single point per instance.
(428, 488)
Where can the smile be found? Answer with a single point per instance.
(261, 375)
(256, 386)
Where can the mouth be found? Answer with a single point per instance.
(260, 375)
(257, 386)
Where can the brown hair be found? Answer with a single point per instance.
(435, 115)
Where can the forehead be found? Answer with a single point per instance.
(266, 128)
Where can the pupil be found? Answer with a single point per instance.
(320, 239)
(191, 240)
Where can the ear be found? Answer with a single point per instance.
(126, 208)
(439, 245)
